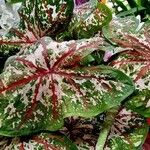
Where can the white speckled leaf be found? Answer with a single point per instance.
(39, 19)
(43, 85)
(46, 17)
(135, 63)
(88, 20)
(119, 25)
(44, 141)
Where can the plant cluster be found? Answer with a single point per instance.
(73, 78)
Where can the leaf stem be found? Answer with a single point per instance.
(104, 133)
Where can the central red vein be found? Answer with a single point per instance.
(20, 35)
(22, 81)
(42, 74)
(21, 146)
(142, 72)
(54, 98)
(72, 50)
(15, 42)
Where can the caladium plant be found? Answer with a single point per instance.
(38, 19)
(41, 86)
(54, 94)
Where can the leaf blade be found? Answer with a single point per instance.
(37, 89)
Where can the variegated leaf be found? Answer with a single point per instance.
(83, 132)
(119, 26)
(135, 62)
(87, 21)
(44, 85)
(38, 19)
(47, 17)
(44, 141)
(123, 129)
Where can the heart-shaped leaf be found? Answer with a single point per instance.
(123, 129)
(38, 19)
(45, 84)
(44, 141)
(135, 63)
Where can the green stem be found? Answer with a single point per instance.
(109, 120)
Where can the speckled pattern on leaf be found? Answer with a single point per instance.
(135, 62)
(41, 86)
